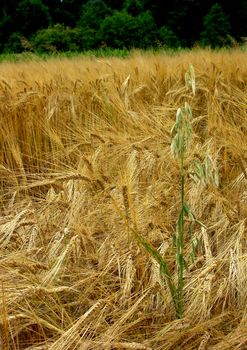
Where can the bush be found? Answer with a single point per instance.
(89, 39)
(133, 7)
(30, 16)
(14, 43)
(168, 38)
(122, 30)
(147, 31)
(217, 28)
(57, 38)
(93, 13)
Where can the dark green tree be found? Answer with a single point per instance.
(115, 4)
(237, 14)
(216, 28)
(147, 31)
(185, 19)
(133, 7)
(118, 30)
(31, 15)
(20, 19)
(66, 12)
(159, 9)
(8, 24)
(122, 30)
(5, 29)
(168, 38)
(239, 19)
(57, 38)
(170, 23)
(14, 43)
(92, 15)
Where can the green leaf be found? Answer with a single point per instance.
(198, 170)
(199, 244)
(174, 240)
(190, 79)
(190, 230)
(216, 177)
(186, 265)
(174, 129)
(192, 254)
(193, 80)
(188, 110)
(188, 211)
(188, 133)
(179, 116)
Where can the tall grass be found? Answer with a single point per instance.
(85, 164)
(28, 56)
(181, 133)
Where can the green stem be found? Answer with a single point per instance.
(180, 243)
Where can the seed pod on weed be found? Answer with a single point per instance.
(190, 79)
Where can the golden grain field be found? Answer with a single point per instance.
(85, 159)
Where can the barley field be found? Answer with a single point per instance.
(90, 194)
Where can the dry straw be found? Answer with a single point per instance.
(86, 165)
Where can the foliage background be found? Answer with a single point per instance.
(78, 25)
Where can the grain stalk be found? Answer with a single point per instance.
(206, 172)
(181, 135)
(181, 138)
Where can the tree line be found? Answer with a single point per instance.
(76, 25)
